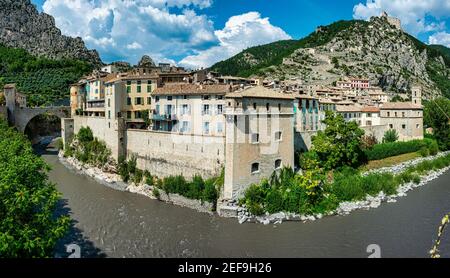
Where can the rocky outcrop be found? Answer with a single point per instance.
(22, 26)
(146, 62)
(375, 50)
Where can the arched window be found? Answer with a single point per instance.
(255, 168)
(278, 164)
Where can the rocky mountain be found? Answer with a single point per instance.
(373, 49)
(146, 62)
(22, 26)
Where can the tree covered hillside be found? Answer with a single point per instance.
(252, 60)
(43, 80)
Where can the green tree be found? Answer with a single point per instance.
(29, 226)
(437, 116)
(390, 136)
(339, 144)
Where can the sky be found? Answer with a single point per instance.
(199, 33)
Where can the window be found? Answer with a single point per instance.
(278, 136)
(157, 99)
(417, 126)
(219, 109)
(96, 91)
(206, 127)
(278, 164)
(219, 127)
(128, 114)
(404, 126)
(369, 115)
(149, 100)
(388, 114)
(395, 113)
(206, 97)
(128, 101)
(206, 109)
(185, 126)
(254, 105)
(255, 138)
(185, 109)
(149, 86)
(279, 107)
(139, 87)
(219, 97)
(255, 168)
(128, 87)
(403, 114)
(109, 115)
(185, 97)
(169, 98)
(109, 102)
(368, 123)
(391, 126)
(267, 106)
(138, 101)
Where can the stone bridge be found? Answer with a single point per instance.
(20, 117)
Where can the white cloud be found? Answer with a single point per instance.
(240, 32)
(128, 29)
(442, 38)
(414, 14)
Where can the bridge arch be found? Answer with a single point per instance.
(23, 116)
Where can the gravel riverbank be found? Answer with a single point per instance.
(115, 182)
(345, 208)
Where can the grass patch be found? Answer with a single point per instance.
(390, 161)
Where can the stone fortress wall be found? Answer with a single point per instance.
(163, 154)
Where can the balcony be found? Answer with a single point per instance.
(95, 105)
(164, 117)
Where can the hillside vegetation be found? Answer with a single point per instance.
(253, 60)
(43, 80)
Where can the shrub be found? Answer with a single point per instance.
(156, 193)
(424, 151)
(149, 179)
(85, 135)
(433, 147)
(59, 144)
(368, 141)
(390, 136)
(385, 150)
(138, 175)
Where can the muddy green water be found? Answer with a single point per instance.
(117, 224)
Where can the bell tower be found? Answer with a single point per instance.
(416, 95)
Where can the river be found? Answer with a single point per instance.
(110, 223)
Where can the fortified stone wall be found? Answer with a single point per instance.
(303, 140)
(101, 130)
(378, 131)
(165, 154)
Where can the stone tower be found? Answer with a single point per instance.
(416, 96)
(259, 138)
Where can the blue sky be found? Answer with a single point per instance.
(198, 33)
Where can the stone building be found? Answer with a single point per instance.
(259, 137)
(189, 109)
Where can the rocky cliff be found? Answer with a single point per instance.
(375, 49)
(22, 26)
